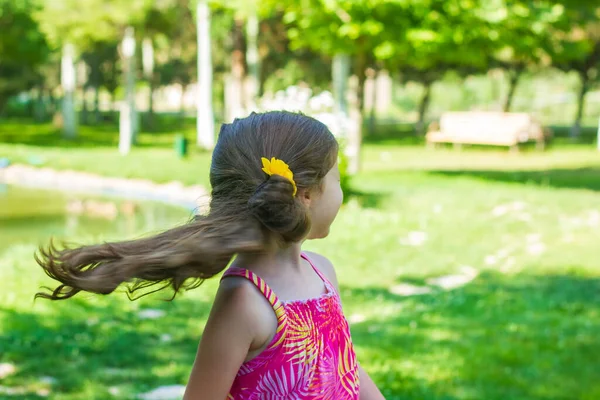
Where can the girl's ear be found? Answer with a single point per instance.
(305, 196)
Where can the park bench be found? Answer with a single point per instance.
(487, 128)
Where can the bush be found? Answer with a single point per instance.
(344, 175)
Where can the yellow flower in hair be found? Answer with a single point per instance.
(279, 167)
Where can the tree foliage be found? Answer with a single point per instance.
(418, 40)
(23, 48)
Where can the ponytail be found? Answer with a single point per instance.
(250, 211)
(180, 258)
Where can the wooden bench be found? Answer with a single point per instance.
(487, 128)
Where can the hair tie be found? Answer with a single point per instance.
(279, 167)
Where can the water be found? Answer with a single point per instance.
(31, 216)
(79, 331)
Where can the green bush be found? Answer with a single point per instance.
(344, 175)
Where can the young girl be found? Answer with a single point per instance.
(276, 329)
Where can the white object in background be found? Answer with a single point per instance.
(147, 57)
(125, 129)
(205, 124)
(340, 74)
(67, 81)
(127, 125)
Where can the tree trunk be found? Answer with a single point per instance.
(385, 90)
(39, 111)
(51, 102)
(253, 79)
(373, 100)
(356, 115)
(361, 67)
(69, 119)
(182, 106)
(340, 72)
(84, 107)
(235, 94)
(112, 98)
(97, 116)
(127, 117)
(205, 128)
(423, 106)
(514, 77)
(150, 116)
(576, 129)
(148, 67)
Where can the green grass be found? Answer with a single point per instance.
(95, 151)
(525, 328)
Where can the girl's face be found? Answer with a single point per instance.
(325, 204)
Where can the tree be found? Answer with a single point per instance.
(521, 39)
(242, 82)
(576, 47)
(74, 25)
(20, 59)
(235, 92)
(67, 81)
(128, 115)
(250, 42)
(205, 117)
(253, 60)
(344, 27)
(431, 38)
(101, 58)
(161, 28)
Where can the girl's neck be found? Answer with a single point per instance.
(278, 258)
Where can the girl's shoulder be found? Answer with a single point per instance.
(238, 299)
(326, 267)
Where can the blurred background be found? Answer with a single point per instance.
(467, 248)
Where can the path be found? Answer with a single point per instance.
(81, 182)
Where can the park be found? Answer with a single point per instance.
(467, 248)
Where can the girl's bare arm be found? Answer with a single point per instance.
(368, 389)
(231, 331)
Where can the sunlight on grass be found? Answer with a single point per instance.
(524, 230)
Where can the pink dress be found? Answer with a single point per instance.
(311, 355)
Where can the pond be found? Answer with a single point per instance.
(90, 335)
(31, 216)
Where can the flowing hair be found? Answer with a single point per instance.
(248, 212)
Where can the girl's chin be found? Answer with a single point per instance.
(318, 235)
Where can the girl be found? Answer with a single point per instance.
(276, 329)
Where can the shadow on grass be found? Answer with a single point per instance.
(91, 347)
(46, 135)
(500, 337)
(576, 178)
(26, 132)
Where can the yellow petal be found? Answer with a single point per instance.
(266, 166)
(279, 167)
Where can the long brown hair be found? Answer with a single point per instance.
(248, 212)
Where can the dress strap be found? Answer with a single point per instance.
(328, 284)
(261, 285)
(272, 298)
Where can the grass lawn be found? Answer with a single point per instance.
(503, 249)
